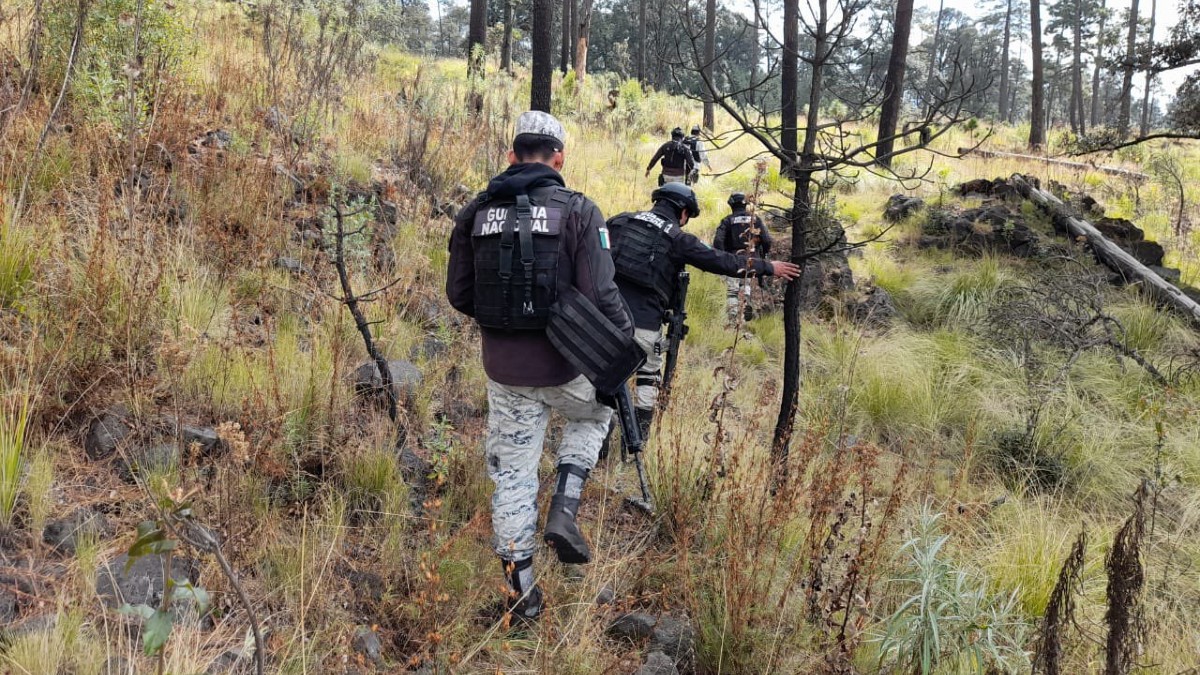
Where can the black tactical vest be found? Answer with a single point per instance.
(737, 235)
(516, 246)
(641, 253)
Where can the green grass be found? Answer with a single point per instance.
(18, 260)
(14, 423)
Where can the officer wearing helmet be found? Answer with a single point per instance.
(676, 156)
(699, 155)
(740, 232)
(649, 250)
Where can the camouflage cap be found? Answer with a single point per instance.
(538, 123)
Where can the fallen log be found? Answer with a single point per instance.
(1081, 166)
(1109, 254)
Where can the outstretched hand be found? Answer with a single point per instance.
(784, 270)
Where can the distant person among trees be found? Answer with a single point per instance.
(740, 232)
(677, 160)
(513, 249)
(699, 154)
(649, 250)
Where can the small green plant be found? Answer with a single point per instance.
(17, 259)
(14, 420)
(39, 479)
(948, 617)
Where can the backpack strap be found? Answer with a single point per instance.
(525, 226)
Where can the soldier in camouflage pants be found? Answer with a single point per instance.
(517, 418)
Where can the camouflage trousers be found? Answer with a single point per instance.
(649, 376)
(517, 418)
(734, 287)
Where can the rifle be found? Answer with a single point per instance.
(677, 330)
(632, 442)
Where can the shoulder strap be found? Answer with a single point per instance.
(525, 226)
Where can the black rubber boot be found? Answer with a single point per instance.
(562, 533)
(524, 597)
(645, 416)
(608, 440)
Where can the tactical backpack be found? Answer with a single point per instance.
(677, 155)
(517, 246)
(640, 255)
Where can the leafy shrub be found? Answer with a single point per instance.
(113, 52)
(948, 618)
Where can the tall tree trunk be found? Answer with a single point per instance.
(1077, 70)
(800, 220)
(641, 62)
(476, 37)
(1002, 108)
(1128, 67)
(506, 47)
(933, 54)
(584, 21)
(543, 55)
(1037, 109)
(710, 55)
(1145, 127)
(788, 83)
(565, 50)
(1097, 97)
(755, 57)
(574, 48)
(893, 83)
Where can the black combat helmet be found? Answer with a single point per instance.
(678, 194)
(677, 133)
(696, 130)
(737, 199)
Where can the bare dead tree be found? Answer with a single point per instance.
(832, 150)
(353, 302)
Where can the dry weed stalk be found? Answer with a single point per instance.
(1126, 577)
(1060, 611)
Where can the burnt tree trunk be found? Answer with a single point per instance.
(641, 55)
(1145, 126)
(1098, 66)
(788, 83)
(800, 220)
(710, 55)
(1002, 110)
(543, 65)
(1128, 68)
(584, 23)
(933, 53)
(564, 56)
(893, 84)
(1037, 108)
(476, 37)
(1077, 116)
(506, 47)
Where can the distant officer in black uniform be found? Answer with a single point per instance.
(699, 155)
(677, 162)
(649, 250)
(740, 232)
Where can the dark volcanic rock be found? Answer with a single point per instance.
(8, 607)
(139, 461)
(63, 535)
(107, 433)
(1120, 230)
(1149, 253)
(982, 187)
(676, 639)
(900, 207)
(406, 377)
(366, 642)
(990, 228)
(633, 626)
(657, 663)
(875, 308)
(142, 583)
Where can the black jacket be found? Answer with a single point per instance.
(733, 232)
(676, 158)
(526, 358)
(647, 308)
